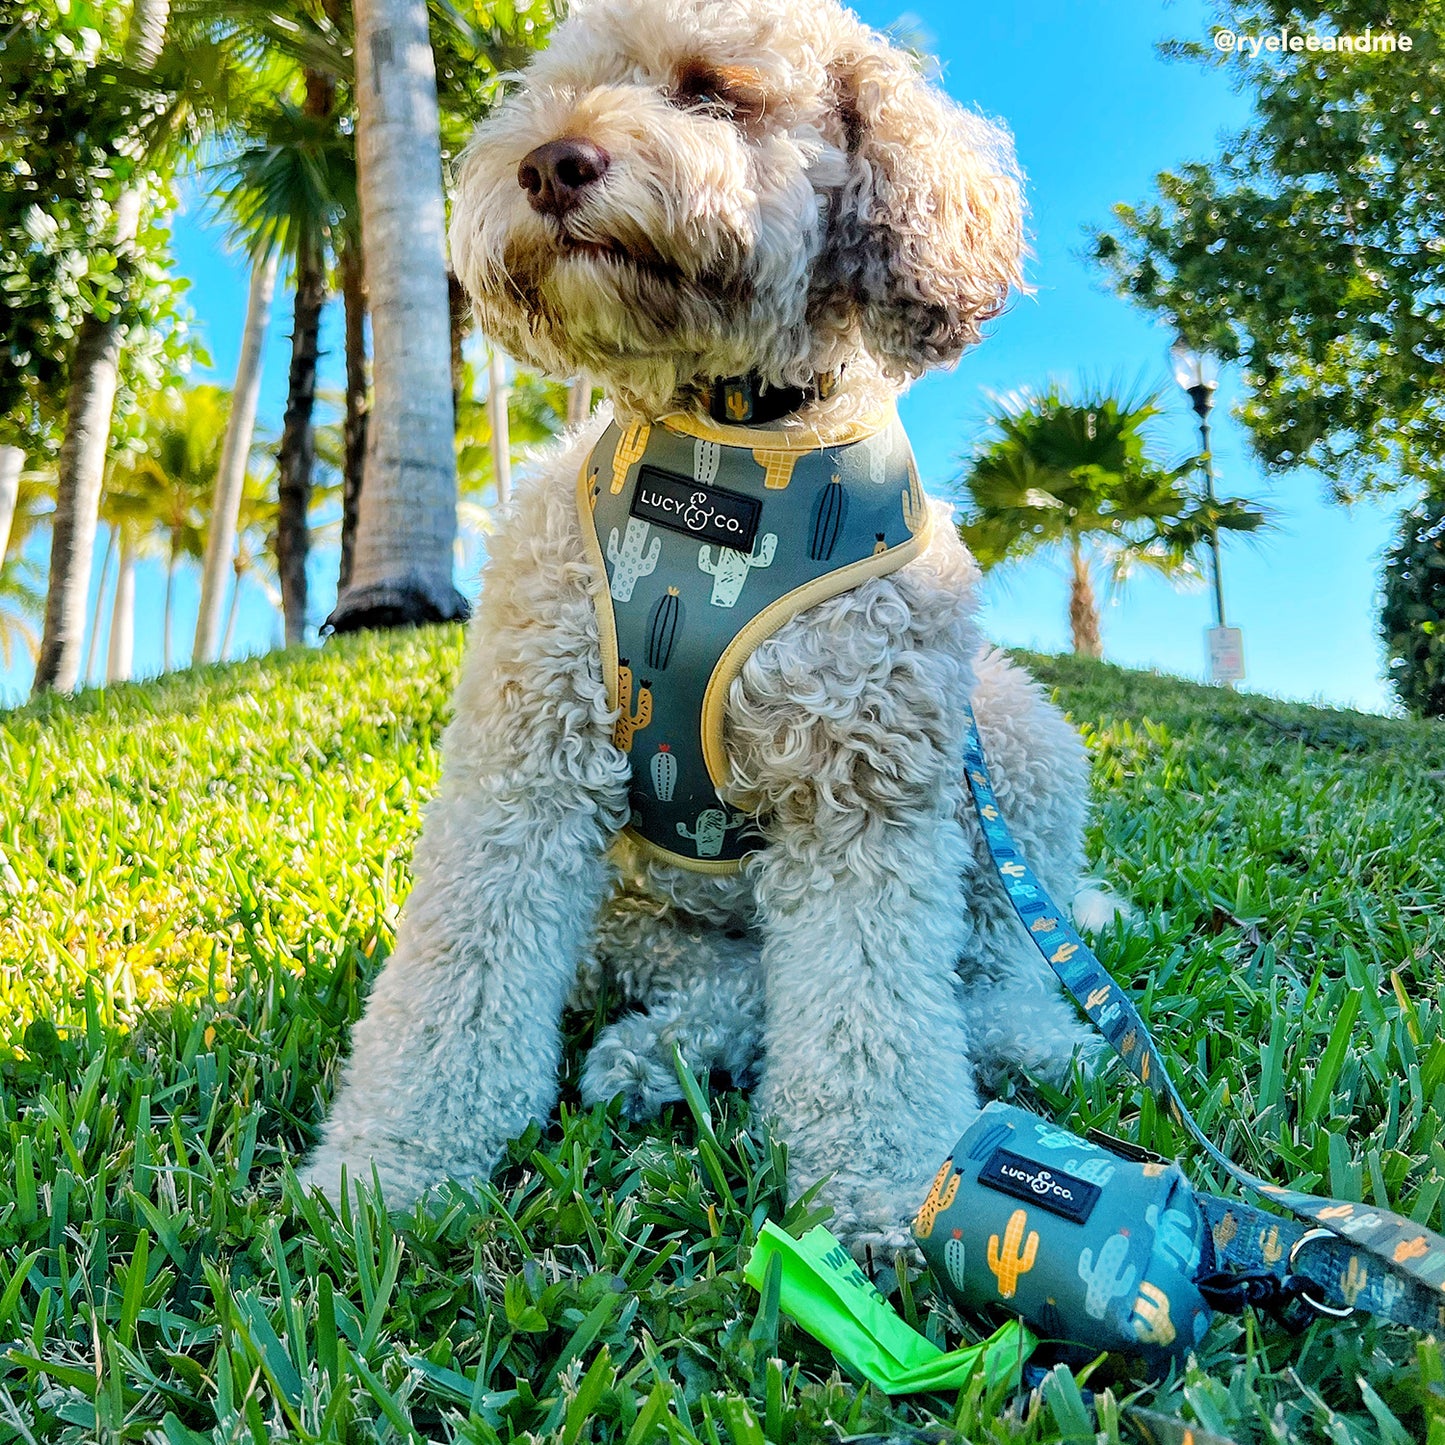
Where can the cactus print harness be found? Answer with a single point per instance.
(707, 538)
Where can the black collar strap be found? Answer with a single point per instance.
(750, 401)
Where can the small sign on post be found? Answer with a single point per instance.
(1226, 655)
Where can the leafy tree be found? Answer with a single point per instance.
(1311, 250)
(1078, 474)
(1413, 617)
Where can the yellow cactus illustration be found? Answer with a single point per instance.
(1128, 1041)
(630, 723)
(1353, 1280)
(1144, 1069)
(1064, 952)
(777, 467)
(1270, 1249)
(1337, 1211)
(1410, 1249)
(736, 404)
(1153, 1324)
(989, 811)
(1099, 995)
(939, 1198)
(1007, 1264)
(630, 447)
(1012, 870)
(1225, 1230)
(1044, 925)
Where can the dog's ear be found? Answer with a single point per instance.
(926, 238)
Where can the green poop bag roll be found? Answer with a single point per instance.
(821, 1288)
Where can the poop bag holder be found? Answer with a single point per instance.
(1087, 1246)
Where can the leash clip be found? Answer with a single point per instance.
(1299, 1283)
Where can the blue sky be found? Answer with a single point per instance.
(1095, 112)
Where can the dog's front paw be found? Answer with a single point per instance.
(632, 1060)
(403, 1171)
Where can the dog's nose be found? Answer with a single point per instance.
(555, 175)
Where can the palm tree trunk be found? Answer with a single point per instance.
(237, 572)
(236, 450)
(89, 404)
(402, 572)
(90, 651)
(498, 393)
(12, 463)
(353, 295)
(579, 399)
(166, 615)
(297, 452)
(1083, 608)
(459, 316)
(122, 617)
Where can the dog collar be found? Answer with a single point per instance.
(749, 400)
(705, 539)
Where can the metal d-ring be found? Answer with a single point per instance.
(1338, 1312)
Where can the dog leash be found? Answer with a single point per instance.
(1336, 1256)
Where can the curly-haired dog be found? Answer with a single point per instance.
(680, 191)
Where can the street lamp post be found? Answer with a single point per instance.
(1196, 373)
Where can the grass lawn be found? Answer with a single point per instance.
(198, 877)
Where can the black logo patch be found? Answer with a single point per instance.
(711, 514)
(1045, 1186)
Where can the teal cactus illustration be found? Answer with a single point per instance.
(954, 1258)
(1047, 1136)
(730, 572)
(1098, 1170)
(988, 1141)
(634, 560)
(706, 458)
(713, 825)
(1176, 1234)
(1106, 1279)
(664, 623)
(830, 511)
(664, 772)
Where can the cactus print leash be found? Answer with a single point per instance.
(1341, 1256)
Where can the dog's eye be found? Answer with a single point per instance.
(697, 85)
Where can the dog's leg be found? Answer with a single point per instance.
(459, 1046)
(694, 987)
(848, 725)
(1019, 1018)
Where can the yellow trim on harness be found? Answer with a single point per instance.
(798, 439)
(774, 616)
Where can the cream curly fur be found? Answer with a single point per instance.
(822, 206)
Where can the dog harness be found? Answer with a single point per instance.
(706, 539)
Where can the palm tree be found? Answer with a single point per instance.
(402, 571)
(226, 501)
(22, 593)
(168, 483)
(255, 526)
(1078, 473)
(90, 402)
